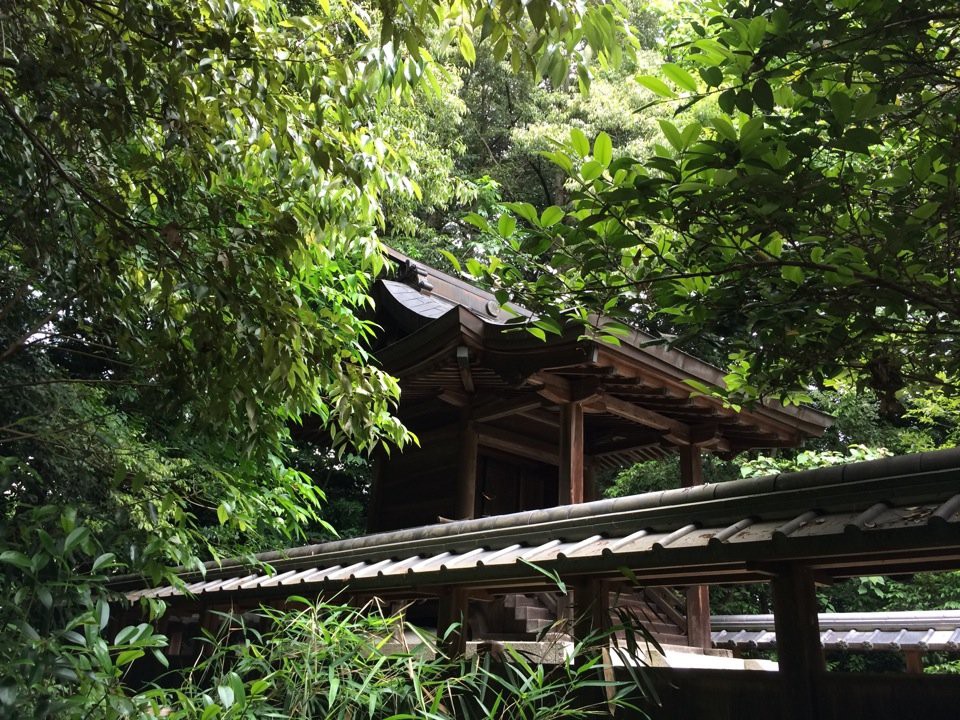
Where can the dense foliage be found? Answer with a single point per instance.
(805, 222)
(191, 196)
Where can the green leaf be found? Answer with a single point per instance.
(103, 561)
(591, 170)
(744, 101)
(656, 86)
(727, 101)
(77, 536)
(128, 656)
(12, 557)
(551, 574)
(537, 10)
(222, 514)
(763, 95)
(551, 216)
(561, 160)
(478, 221)
(842, 106)
(859, 139)
(672, 134)
(236, 684)
(579, 142)
(506, 225)
(525, 210)
(724, 127)
(926, 210)
(691, 133)
(603, 149)
(467, 50)
(712, 76)
(793, 274)
(43, 594)
(226, 695)
(680, 77)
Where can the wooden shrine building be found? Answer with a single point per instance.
(508, 422)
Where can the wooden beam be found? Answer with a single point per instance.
(454, 397)
(466, 496)
(622, 439)
(571, 454)
(799, 654)
(709, 435)
(673, 430)
(510, 442)
(506, 407)
(542, 416)
(555, 389)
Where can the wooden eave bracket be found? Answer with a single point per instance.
(463, 365)
(561, 391)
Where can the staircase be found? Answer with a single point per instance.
(529, 614)
(659, 610)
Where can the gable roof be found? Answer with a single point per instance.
(447, 333)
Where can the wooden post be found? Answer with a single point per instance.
(914, 661)
(691, 466)
(590, 491)
(798, 641)
(591, 608)
(698, 596)
(466, 493)
(452, 610)
(571, 454)
(591, 622)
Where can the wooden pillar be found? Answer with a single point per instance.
(914, 661)
(691, 466)
(466, 494)
(591, 625)
(591, 608)
(452, 622)
(798, 641)
(571, 454)
(590, 490)
(698, 596)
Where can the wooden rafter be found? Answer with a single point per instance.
(673, 430)
(505, 407)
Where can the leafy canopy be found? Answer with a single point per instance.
(807, 222)
(191, 194)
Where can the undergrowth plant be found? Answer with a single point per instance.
(339, 662)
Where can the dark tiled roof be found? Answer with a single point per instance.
(913, 630)
(898, 514)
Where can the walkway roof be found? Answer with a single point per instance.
(924, 630)
(896, 515)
